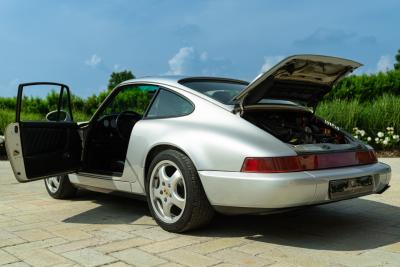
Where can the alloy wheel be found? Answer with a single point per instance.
(167, 191)
(53, 183)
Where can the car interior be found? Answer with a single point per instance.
(108, 133)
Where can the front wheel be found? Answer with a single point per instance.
(59, 187)
(175, 194)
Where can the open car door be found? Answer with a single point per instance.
(44, 147)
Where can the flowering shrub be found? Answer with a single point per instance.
(386, 139)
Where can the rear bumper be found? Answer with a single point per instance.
(283, 190)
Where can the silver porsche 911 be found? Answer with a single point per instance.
(195, 145)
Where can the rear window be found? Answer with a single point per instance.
(220, 90)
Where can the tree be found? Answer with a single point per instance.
(397, 64)
(119, 77)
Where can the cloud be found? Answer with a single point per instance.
(178, 63)
(93, 61)
(188, 61)
(269, 62)
(384, 63)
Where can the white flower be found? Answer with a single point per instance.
(387, 138)
(396, 137)
(356, 137)
(362, 132)
(355, 129)
(377, 140)
(380, 134)
(385, 142)
(369, 138)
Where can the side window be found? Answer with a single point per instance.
(43, 102)
(130, 98)
(168, 104)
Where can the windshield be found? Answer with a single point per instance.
(221, 90)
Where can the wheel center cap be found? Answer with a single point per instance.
(166, 190)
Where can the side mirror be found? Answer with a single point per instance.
(58, 116)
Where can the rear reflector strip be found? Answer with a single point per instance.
(308, 162)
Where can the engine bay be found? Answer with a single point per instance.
(295, 127)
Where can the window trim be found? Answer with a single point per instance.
(145, 116)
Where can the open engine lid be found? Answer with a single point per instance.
(304, 79)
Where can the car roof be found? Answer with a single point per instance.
(175, 79)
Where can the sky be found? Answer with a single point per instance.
(80, 43)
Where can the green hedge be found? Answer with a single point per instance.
(366, 87)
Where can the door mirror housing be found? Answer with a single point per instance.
(56, 115)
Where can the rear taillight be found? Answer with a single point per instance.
(308, 162)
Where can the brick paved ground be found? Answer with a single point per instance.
(96, 229)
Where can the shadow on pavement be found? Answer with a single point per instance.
(112, 209)
(357, 224)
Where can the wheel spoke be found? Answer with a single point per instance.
(178, 201)
(175, 178)
(162, 175)
(157, 193)
(167, 209)
(56, 182)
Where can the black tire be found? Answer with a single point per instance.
(65, 189)
(197, 212)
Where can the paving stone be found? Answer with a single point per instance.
(215, 245)
(240, 258)
(110, 234)
(154, 233)
(17, 264)
(169, 244)
(72, 234)
(123, 244)
(137, 257)
(77, 245)
(359, 232)
(6, 258)
(189, 258)
(118, 264)
(42, 257)
(21, 249)
(34, 235)
(170, 264)
(89, 257)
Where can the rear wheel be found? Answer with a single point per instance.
(60, 187)
(175, 195)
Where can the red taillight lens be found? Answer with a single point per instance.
(308, 162)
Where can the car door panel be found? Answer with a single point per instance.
(50, 148)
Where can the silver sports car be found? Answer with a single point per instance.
(195, 145)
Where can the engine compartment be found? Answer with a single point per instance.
(295, 127)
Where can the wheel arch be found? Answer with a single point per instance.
(154, 151)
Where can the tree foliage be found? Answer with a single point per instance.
(367, 87)
(119, 77)
(397, 64)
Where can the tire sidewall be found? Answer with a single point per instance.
(65, 189)
(189, 173)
